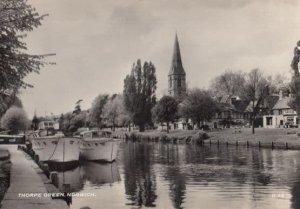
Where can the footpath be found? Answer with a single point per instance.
(25, 183)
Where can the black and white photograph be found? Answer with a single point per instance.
(134, 104)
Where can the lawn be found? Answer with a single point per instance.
(264, 136)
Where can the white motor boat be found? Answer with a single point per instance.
(53, 146)
(98, 145)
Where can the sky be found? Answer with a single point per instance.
(97, 41)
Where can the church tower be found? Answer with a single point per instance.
(177, 83)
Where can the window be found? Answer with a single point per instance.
(179, 82)
(170, 83)
(269, 121)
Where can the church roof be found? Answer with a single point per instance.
(176, 65)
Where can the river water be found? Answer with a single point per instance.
(188, 176)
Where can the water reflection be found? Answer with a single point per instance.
(67, 181)
(139, 176)
(99, 174)
(186, 176)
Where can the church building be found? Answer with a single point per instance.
(177, 82)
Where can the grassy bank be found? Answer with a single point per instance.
(279, 137)
(155, 135)
(272, 138)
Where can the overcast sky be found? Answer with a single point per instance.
(96, 42)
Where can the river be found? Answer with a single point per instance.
(188, 176)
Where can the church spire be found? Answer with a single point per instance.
(176, 65)
(177, 83)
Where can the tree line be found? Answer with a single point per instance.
(137, 104)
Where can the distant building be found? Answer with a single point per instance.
(177, 79)
(233, 111)
(282, 114)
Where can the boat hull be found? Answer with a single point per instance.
(99, 150)
(56, 149)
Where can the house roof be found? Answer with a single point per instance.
(282, 104)
(240, 105)
(225, 99)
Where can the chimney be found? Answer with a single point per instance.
(280, 94)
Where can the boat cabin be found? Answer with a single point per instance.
(93, 134)
(45, 125)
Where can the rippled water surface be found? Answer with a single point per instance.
(188, 176)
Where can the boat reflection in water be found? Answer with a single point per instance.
(67, 180)
(99, 174)
(89, 172)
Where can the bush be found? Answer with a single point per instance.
(199, 137)
(15, 120)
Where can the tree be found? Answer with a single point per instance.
(15, 120)
(97, 110)
(77, 121)
(276, 82)
(139, 93)
(65, 122)
(198, 106)
(7, 101)
(256, 88)
(295, 83)
(165, 111)
(112, 109)
(35, 122)
(17, 18)
(77, 109)
(228, 83)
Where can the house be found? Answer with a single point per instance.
(232, 112)
(282, 114)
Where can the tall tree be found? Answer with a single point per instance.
(17, 18)
(228, 83)
(198, 106)
(139, 93)
(77, 108)
(165, 111)
(295, 82)
(97, 110)
(256, 88)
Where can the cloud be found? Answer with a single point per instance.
(96, 42)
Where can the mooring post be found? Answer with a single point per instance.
(236, 143)
(258, 144)
(218, 143)
(210, 142)
(272, 145)
(226, 144)
(286, 145)
(247, 143)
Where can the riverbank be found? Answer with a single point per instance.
(25, 180)
(4, 172)
(263, 137)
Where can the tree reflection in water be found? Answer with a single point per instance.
(139, 176)
(193, 175)
(173, 173)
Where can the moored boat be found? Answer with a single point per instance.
(98, 145)
(53, 146)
